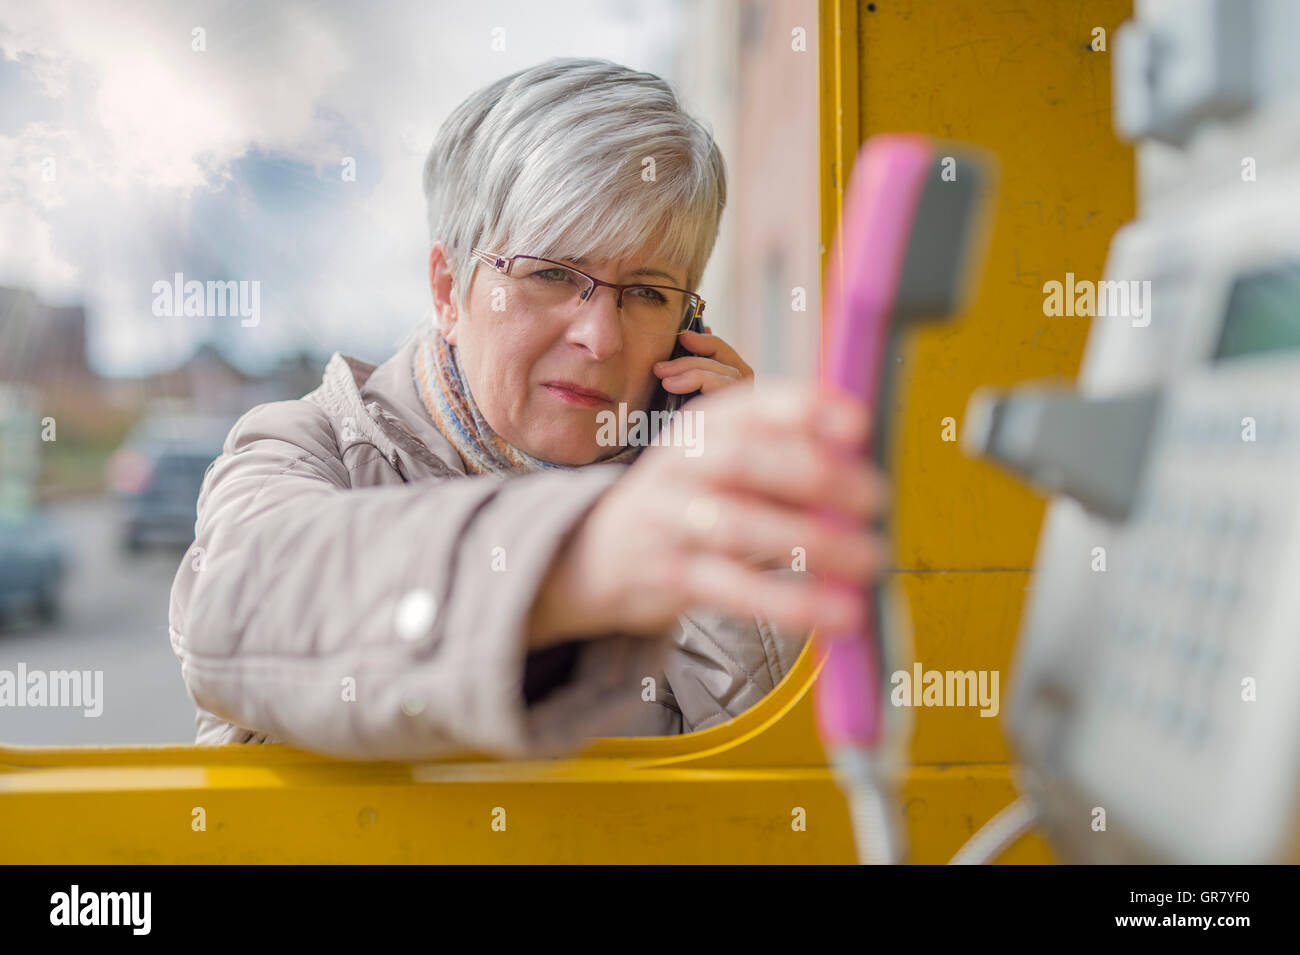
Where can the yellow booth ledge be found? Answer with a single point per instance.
(753, 790)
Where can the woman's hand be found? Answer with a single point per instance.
(714, 365)
(779, 468)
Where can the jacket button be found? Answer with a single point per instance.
(415, 613)
(412, 706)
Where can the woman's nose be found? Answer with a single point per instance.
(598, 325)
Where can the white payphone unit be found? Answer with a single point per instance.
(1157, 676)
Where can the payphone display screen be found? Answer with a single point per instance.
(1263, 314)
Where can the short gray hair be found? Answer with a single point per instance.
(551, 161)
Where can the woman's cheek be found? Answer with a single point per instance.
(645, 397)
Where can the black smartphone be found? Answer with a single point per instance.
(667, 400)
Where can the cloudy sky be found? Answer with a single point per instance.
(126, 155)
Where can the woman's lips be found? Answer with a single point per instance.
(574, 394)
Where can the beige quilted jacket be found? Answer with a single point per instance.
(352, 591)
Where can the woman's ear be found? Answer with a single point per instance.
(440, 282)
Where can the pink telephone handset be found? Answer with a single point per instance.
(903, 253)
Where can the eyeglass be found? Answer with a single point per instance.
(544, 283)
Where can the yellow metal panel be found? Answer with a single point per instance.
(963, 621)
(1022, 80)
(839, 135)
(273, 809)
(737, 797)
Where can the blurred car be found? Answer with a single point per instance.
(32, 562)
(158, 472)
(32, 565)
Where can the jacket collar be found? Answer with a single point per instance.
(379, 405)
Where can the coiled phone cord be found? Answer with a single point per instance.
(868, 788)
(998, 834)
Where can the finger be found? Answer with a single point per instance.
(679, 365)
(797, 602)
(797, 408)
(797, 470)
(699, 381)
(711, 346)
(702, 343)
(716, 382)
(756, 530)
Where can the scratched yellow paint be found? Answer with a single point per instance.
(963, 621)
(1016, 79)
(1021, 80)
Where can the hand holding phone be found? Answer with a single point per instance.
(701, 362)
(681, 531)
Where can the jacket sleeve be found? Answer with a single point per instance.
(384, 622)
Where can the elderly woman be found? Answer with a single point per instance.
(447, 551)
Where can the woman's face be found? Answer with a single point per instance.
(523, 366)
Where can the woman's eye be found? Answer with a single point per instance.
(552, 275)
(651, 295)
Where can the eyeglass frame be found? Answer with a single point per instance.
(504, 263)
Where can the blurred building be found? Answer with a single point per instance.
(39, 342)
(208, 383)
(43, 361)
(750, 68)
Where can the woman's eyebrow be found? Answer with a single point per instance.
(641, 271)
(645, 271)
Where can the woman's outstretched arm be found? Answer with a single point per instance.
(383, 622)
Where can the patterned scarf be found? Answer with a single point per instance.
(440, 380)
